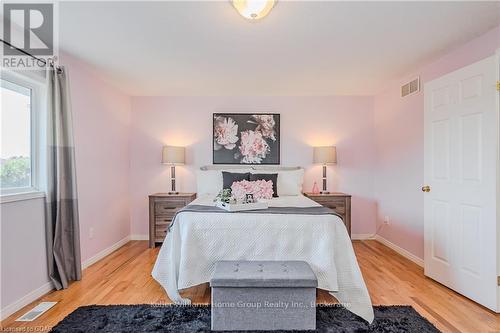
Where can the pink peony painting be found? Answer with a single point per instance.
(225, 133)
(245, 138)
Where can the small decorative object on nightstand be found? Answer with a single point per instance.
(173, 156)
(162, 208)
(315, 189)
(325, 155)
(339, 202)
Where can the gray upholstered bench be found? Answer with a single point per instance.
(263, 295)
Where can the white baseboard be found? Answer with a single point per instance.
(139, 237)
(105, 252)
(400, 250)
(25, 300)
(362, 236)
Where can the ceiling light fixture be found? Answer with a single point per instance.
(253, 9)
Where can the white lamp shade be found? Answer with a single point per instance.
(173, 155)
(325, 155)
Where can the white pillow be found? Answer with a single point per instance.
(210, 181)
(289, 181)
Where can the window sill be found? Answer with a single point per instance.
(4, 198)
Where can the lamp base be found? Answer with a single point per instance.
(324, 192)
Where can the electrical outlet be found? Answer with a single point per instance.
(386, 220)
(91, 232)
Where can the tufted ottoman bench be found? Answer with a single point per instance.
(263, 295)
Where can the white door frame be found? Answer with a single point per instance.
(498, 182)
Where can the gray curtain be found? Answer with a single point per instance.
(62, 227)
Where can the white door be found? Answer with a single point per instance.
(461, 144)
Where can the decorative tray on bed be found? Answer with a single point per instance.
(238, 207)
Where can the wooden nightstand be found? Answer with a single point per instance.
(339, 202)
(162, 208)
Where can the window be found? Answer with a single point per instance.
(18, 135)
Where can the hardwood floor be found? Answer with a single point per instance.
(124, 278)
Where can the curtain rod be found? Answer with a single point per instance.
(27, 53)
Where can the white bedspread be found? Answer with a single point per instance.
(197, 241)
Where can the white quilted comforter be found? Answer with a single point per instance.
(197, 241)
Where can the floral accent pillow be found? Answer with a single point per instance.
(267, 176)
(261, 189)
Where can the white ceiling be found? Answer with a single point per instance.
(301, 48)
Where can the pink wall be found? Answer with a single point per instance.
(101, 121)
(305, 122)
(23, 267)
(399, 132)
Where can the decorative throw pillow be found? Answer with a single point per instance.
(228, 178)
(261, 189)
(267, 176)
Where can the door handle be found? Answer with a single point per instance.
(426, 188)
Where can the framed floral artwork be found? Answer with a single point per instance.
(246, 138)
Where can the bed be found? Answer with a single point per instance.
(197, 240)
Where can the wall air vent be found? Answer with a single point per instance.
(411, 87)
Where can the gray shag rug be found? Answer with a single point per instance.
(151, 318)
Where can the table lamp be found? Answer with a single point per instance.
(325, 155)
(173, 156)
